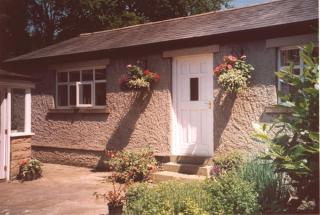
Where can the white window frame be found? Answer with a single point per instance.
(27, 112)
(77, 84)
(280, 67)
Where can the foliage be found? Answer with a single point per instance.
(29, 169)
(294, 140)
(115, 197)
(230, 194)
(137, 78)
(32, 24)
(168, 198)
(132, 166)
(271, 187)
(226, 161)
(233, 74)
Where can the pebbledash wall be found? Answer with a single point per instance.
(139, 120)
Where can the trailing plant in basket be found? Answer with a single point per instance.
(233, 74)
(29, 169)
(138, 78)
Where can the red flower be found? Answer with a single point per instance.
(23, 162)
(147, 72)
(156, 77)
(229, 66)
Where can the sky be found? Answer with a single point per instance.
(241, 3)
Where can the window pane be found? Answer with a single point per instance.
(87, 75)
(100, 74)
(289, 56)
(74, 76)
(100, 93)
(62, 77)
(73, 94)
(287, 89)
(194, 89)
(85, 93)
(62, 95)
(17, 110)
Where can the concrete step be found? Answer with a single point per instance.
(169, 176)
(190, 169)
(197, 160)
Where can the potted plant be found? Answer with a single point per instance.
(29, 169)
(115, 199)
(137, 78)
(233, 74)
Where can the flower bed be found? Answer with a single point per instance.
(233, 74)
(131, 166)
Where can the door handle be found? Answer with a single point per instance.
(209, 103)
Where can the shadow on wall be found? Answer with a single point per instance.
(223, 104)
(121, 135)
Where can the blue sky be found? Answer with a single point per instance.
(240, 3)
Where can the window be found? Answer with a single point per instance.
(286, 56)
(194, 89)
(20, 103)
(81, 88)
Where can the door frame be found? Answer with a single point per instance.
(5, 131)
(174, 109)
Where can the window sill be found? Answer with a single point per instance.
(77, 110)
(21, 134)
(278, 110)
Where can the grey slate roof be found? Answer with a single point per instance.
(274, 13)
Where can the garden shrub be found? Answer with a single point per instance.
(228, 161)
(168, 198)
(230, 194)
(271, 187)
(293, 140)
(132, 166)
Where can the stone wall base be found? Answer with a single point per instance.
(74, 157)
(20, 149)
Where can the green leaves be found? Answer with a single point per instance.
(294, 140)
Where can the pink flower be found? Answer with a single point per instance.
(229, 66)
(230, 59)
(129, 66)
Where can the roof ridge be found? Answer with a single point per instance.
(178, 18)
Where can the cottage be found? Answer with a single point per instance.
(79, 109)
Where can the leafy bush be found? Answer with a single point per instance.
(230, 194)
(294, 140)
(168, 198)
(233, 74)
(228, 161)
(29, 169)
(132, 166)
(271, 187)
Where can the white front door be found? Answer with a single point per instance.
(193, 105)
(2, 134)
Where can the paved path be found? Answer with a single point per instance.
(62, 190)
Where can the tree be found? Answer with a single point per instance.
(32, 24)
(14, 37)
